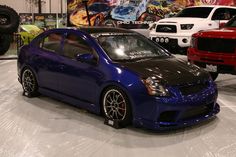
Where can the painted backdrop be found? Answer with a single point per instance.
(129, 13)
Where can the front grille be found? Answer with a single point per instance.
(217, 45)
(168, 116)
(166, 28)
(197, 111)
(193, 88)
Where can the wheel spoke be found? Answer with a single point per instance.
(120, 108)
(114, 95)
(117, 97)
(112, 114)
(120, 113)
(109, 113)
(109, 96)
(109, 102)
(116, 115)
(110, 106)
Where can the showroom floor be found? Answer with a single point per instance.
(44, 127)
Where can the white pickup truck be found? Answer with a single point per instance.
(175, 33)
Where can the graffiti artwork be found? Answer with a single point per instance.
(129, 13)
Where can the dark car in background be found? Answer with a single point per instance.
(118, 73)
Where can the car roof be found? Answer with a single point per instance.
(213, 6)
(101, 30)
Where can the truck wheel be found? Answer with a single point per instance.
(5, 41)
(9, 19)
(214, 75)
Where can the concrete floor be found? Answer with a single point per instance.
(44, 127)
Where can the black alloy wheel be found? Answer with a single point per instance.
(116, 106)
(29, 83)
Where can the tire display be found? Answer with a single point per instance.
(9, 19)
(5, 40)
(9, 22)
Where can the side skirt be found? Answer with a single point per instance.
(73, 101)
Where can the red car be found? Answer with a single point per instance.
(215, 50)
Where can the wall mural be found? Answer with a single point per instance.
(129, 13)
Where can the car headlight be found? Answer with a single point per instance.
(186, 26)
(154, 87)
(193, 42)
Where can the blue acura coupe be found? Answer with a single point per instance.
(117, 73)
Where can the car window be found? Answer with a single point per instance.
(231, 23)
(221, 14)
(52, 42)
(75, 45)
(232, 12)
(195, 12)
(128, 47)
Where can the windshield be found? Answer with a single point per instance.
(231, 23)
(130, 47)
(197, 12)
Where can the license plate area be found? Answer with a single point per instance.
(211, 68)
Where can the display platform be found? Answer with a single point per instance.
(44, 127)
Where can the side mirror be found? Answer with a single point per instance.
(86, 58)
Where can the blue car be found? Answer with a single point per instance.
(129, 12)
(117, 73)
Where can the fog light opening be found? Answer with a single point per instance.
(185, 40)
(166, 40)
(162, 40)
(157, 40)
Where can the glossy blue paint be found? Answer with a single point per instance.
(82, 84)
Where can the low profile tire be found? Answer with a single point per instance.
(116, 106)
(5, 41)
(9, 19)
(214, 75)
(29, 83)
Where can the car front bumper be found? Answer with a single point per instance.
(161, 126)
(225, 62)
(181, 40)
(176, 112)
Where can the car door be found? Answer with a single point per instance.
(47, 60)
(79, 80)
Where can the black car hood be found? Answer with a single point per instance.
(170, 71)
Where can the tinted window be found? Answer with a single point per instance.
(232, 12)
(231, 23)
(198, 12)
(221, 14)
(52, 42)
(130, 47)
(75, 45)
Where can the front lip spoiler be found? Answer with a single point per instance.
(165, 126)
